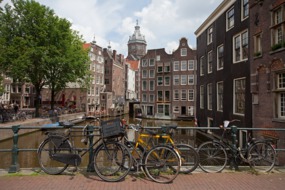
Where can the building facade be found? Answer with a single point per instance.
(168, 82)
(223, 71)
(267, 60)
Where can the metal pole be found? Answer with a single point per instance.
(90, 130)
(15, 165)
(233, 161)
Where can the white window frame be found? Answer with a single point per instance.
(210, 96)
(202, 66)
(176, 66)
(191, 65)
(183, 95)
(191, 79)
(202, 91)
(241, 94)
(210, 35)
(151, 62)
(241, 46)
(183, 52)
(183, 65)
(210, 62)
(144, 63)
(230, 16)
(191, 95)
(151, 85)
(244, 9)
(280, 94)
(176, 95)
(183, 80)
(151, 73)
(220, 95)
(220, 58)
(176, 80)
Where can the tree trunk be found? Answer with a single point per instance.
(37, 102)
(52, 94)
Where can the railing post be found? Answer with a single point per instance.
(233, 161)
(90, 131)
(15, 165)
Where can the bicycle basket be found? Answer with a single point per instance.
(112, 128)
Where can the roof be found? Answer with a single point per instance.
(134, 64)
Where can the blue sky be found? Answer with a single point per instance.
(163, 22)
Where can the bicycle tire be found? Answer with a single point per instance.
(159, 162)
(45, 151)
(262, 157)
(189, 158)
(112, 161)
(213, 157)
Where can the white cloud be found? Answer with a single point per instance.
(163, 22)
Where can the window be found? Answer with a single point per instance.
(202, 66)
(144, 73)
(220, 90)
(183, 95)
(257, 45)
(176, 80)
(239, 96)
(151, 62)
(167, 96)
(176, 109)
(144, 62)
(230, 18)
(151, 85)
(158, 58)
(209, 96)
(176, 95)
(210, 62)
(176, 66)
(191, 95)
(210, 35)
(144, 97)
(151, 98)
(220, 57)
(159, 96)
(166, 81)
(191, 65)
(159, 69)
(280, 92)
(278, 29)
(159, 81)
(190, 79)
(167, 68)
(183, 65)
(183, 79)
(183, 51)
(202, 97)
(151, 73)
(244, 8)
(144, 85)
(240, 47)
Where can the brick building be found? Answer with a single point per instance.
(168, 82)
(267, 62)
(223, 72)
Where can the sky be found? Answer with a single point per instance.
(111, 22)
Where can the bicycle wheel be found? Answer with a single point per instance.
(262, 156)
(46, 151)
(112, 161)
(189, 158)
(213, 157)
(159, 162)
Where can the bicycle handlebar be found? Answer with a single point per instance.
(227, 123)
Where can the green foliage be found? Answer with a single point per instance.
(39, 47)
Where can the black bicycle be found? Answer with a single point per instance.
(215, 154)
(111, 158)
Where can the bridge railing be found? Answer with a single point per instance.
(238, 136)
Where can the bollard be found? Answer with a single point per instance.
(90, 130)
(233, 162)
(15, 165)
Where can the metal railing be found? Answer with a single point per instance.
(15, 149)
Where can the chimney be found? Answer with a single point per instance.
(114, 54)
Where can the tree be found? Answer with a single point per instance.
(39, 47)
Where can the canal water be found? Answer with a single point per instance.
(28, 158)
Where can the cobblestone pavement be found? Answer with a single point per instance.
(222, 181)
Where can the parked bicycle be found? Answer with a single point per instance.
(111, 159)
(150, 138)
(215, 154)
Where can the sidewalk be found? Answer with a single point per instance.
(222, 181)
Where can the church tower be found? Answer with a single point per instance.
(136, 45)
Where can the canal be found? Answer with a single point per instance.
(28, 159)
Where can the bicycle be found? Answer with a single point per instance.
(161, 163)
(110, 157)
(214, 155)
(188, 154)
